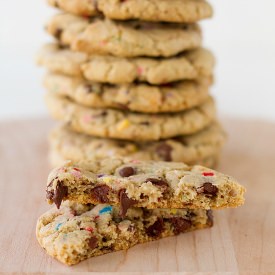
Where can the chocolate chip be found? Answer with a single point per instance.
(155, 229)
(104, 239)
(210, 220)
(126, 172)
(58, 194)
(100, 193)
(56, 4)
(145, 123)
(137, 26)
(92, 242)
(208, 189)
(125, 202)
(61, 47)
(131, 228)
(164, 151)
(123, 107)
(95, 88)
(180, 225)
(58, 33)
(158, 182)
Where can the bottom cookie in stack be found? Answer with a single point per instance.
(76, 232)
(201, 148)
(114, 204)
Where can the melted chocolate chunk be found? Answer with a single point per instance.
(58, 194)
(164, 151)
(180, 225)
(100, 193)
(126, 172)
(58, 33)
(158, 182)
(210, 221)
(125, 202)
(155, 229)
(208, 189)
(92, 242)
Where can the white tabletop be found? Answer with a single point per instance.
(242, 35)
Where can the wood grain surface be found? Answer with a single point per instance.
(242, 240)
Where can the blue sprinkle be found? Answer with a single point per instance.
(107, 209)
(58, 226)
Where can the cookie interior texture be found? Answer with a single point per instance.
(147, 184)
(76, 232)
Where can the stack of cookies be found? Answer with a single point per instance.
(131, 78)
(113, 204)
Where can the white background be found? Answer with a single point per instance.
(242, 35)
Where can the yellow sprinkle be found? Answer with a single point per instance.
(124, 124)
(134, 148)
(107, 179)
(173, 211)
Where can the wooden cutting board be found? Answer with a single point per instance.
(242, 239)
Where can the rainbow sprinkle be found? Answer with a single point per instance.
(173, 211)
(208, 174)
(124, 124)
(87, 118)
(58, 226)
(107, 209)
(107, 179)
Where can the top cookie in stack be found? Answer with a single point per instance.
(133, 71)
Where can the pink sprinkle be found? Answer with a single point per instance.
(77, 174)
(140, 70)
(103, 42)
(208, 174)
(90, 229)
(169, 95)
(135, 161)
(87, 118)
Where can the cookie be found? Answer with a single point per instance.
(192, 149)
(125, 39)
(119, 124)
(56, 159)
(148, 184)
(143, 98)
(194, 64)
(77, 232)
(181, 11)
(78, 7)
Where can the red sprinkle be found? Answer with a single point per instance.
(140, 70)
(90, 229)
(96, 217)
(208, 174)
(76, 169)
